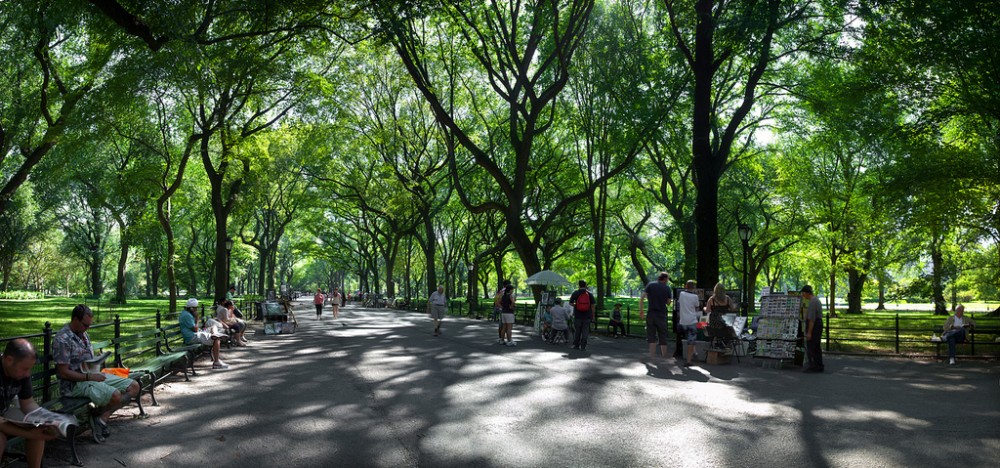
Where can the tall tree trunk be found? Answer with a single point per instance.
(707, 168)
(96, 263)
(937, 286)
(120, 279)
(855, 290)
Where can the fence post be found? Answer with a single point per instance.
(118, 334)
(897, 333)
(47, 361)
(972, 337)
(158, 323)
(628, 321)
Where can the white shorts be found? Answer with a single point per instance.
(507, 318)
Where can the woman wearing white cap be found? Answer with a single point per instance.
(189, 330)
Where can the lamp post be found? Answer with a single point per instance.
(229, 250)
(472, 299)
(744, 232)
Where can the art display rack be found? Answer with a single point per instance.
(778, 328)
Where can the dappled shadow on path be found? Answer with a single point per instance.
(375, 388)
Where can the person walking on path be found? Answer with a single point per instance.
(814, 330)
(336, 298)
(507, 315)
(659, 295)
(318, 302)
(438, 305)
(687, 324)
(583, 313)
(955, 331)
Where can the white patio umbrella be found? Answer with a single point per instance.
(547, 278)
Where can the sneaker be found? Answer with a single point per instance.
(511, 343)
(501, 342)
(97, 428)
(220, 365)
(687, 364)
(952, 361)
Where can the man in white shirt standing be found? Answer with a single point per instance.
(438, 307)
(687, 305)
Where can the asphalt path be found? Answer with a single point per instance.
(376, 388)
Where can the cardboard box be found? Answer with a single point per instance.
(718, 357)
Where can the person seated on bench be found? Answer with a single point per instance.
(560, 321)
(225, 314)
(189, 330)
(616, 323)
(15, 382)
(955, 330)
(70, 348)
(229, 297)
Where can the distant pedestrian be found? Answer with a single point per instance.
(660, 296)
(583, 313)
(438, 305)
(498, 309)
(814, 330)
(336, 299)
(687, 303)
(507, 315)
(318, 302)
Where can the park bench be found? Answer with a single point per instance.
(174, 347)
(155, 362)
(970, 339)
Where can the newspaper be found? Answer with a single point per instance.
(41, 417)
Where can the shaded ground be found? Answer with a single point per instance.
(375, 388)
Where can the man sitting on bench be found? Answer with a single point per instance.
(15, 382)
(955, 330)
(70, 349)
(189, 330)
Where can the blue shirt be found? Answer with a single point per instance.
(186, 320)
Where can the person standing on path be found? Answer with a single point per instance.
(335, 300)
(438, 305)
(583, 313)
(507, 315)
(814, 330)
(687, 302)
(318, 302)
(660, 296)
(498, 309)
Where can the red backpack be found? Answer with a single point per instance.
(583, 302)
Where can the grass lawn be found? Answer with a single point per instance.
(23, 317)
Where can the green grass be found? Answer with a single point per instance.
(24, 317)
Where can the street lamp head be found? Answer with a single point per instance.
(471, 267)
(229, 244)
(744, 232)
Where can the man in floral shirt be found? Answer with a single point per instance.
(70, 348)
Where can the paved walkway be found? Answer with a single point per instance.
(375, 388)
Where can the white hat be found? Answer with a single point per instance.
(191, 303)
